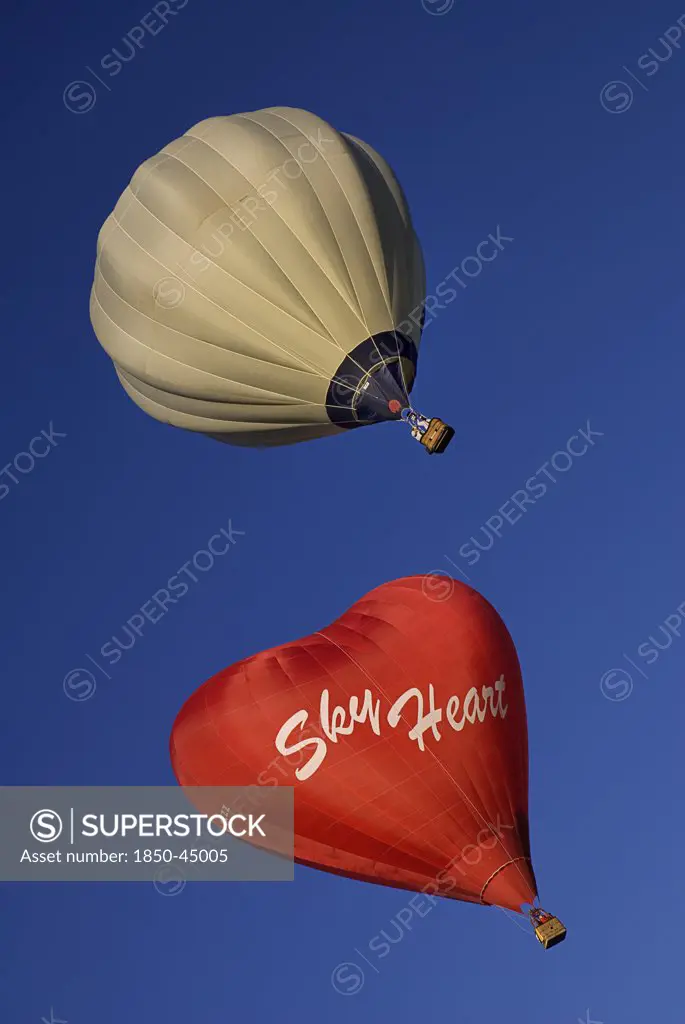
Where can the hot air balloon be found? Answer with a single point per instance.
(402, 728)
(260, 282)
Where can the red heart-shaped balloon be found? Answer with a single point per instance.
(402, 727)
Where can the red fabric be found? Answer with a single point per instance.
(451, 819)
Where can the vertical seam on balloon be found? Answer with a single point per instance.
(359, 313)
(175, 156)
(354, 753)
(323, 374)
(499, 871)
(271, 256)
(478, 599)
(437, 759)
(366, 245)
(447, 808)
(318, 372)
(356, 313)
(385, 297)
(282, 144)
(223, 270)
(408, 251)
(180, 362)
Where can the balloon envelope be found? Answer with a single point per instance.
(260, 281)
(402, 728)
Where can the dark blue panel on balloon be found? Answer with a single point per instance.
(349, 407)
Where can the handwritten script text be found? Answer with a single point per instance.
(342, 722)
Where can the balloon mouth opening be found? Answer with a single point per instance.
(394, 406)
(511, 885)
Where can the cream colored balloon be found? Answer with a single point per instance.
(249, 276)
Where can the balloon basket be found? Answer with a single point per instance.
(437, 437)
(549, 931)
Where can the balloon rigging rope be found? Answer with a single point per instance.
(371, 260)
(382, 291)
(311, 367)
(119, 223)
(356, 312)
(438, 761)
(359, 311)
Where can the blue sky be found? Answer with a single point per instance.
(495, 117)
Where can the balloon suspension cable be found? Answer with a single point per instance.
(433, 434)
